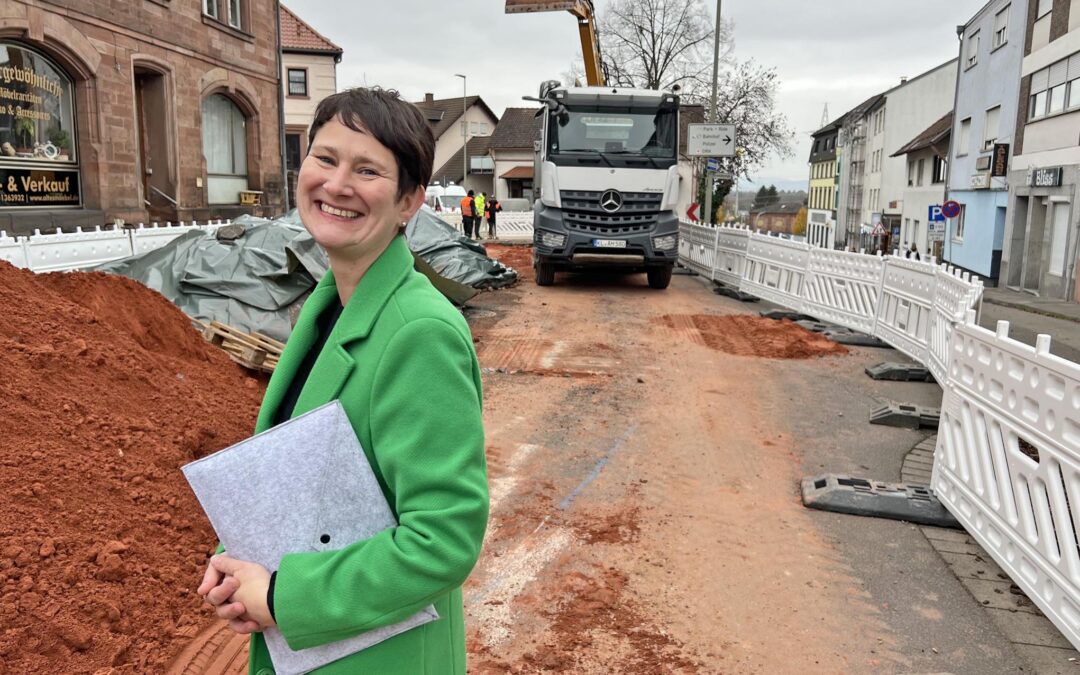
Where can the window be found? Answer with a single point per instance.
(1074, 93)
(1001, 27)
(911, 173)
(1059, 238)
(1057, 99)
(940, 169)
(1045, 7)
(990, 129)
(298, 82)
(958, 231)
(972, 50)
(919, 173)
(963, 140)
(1038, 105)
(210, 8)
(234, 13)
(224, 131)
(481, 164)
(1055, 88)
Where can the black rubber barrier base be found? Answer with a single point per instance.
(900, 372)
(723, 289)
(863, 497)
(907, 416)
(841, 334)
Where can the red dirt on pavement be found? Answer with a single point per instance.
(744, 335)
(107, 390)
(518, 257)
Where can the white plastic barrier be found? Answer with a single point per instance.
(904, 309)
(820, 235)
(844, 288)
(145, 239)
(699, 242)
(731, 244)
(954, 294)
(775, 269)
(64, 251)
(1007, 463)
(514, 222)
(13, 250)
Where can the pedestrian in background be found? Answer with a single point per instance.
(493, 207)
(479, 209)
(468, 211)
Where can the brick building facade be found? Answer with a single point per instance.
(137, 110)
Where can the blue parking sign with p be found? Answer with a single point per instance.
(936, 215)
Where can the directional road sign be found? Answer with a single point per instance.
(711, 140)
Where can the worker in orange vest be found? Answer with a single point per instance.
(468, 213)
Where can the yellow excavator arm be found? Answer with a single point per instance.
(583, 11)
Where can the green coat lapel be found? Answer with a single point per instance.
(335, 363)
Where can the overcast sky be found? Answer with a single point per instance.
(838, 52)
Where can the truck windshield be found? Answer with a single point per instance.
(611, 131)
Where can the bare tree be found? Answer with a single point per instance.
(746, 97)
(657, 44)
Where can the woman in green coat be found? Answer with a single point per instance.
(377, 336)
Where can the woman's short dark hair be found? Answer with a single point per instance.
(395, 123)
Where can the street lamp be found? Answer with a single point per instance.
(464, 131)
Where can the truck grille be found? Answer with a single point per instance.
(639, 213)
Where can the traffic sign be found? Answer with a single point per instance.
(935, 214)
(950, 209)
(712, 164)
(710, 140)
(691, 212)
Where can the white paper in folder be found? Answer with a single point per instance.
(304, 485)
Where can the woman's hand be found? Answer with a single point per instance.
(237, 591)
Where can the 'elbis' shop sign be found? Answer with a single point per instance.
(39, 187)
(1045, 177)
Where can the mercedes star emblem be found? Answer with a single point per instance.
(611, 201)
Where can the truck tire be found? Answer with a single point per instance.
(659, 277)
(545, 273)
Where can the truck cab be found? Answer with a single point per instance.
(609, 183)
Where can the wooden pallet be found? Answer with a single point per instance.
(254, 351)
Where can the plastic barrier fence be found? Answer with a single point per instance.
(71, 250)
(731, 255)
(907, 296)
(844, 288)
(775, 270)
(66, 251)
(1007, 463)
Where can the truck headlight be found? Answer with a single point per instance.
(551, 239)
(667, 242)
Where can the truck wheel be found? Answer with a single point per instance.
(659, 277)
(545, 273)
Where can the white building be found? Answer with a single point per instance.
(926, 168)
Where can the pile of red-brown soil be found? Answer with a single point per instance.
(518, 257)
(745, 335)
(106, 391)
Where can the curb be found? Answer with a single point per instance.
(1028, 308)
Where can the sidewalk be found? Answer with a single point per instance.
(1058, 309)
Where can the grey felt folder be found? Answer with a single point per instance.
(304, 485)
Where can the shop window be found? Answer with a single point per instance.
(298, 82)
(38, 157)
(225, 149)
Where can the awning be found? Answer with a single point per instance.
(518, 172)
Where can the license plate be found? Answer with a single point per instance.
(609, 243)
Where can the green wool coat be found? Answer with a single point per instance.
(402, 362)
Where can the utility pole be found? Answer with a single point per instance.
(712, 114)
(464, 131)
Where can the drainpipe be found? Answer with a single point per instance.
(956, 118)
(281, 118)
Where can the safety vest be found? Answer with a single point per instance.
(466, 206)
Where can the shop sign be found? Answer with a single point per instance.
(980, 181)
(999, 167)
(1045, 177)
(28, 187)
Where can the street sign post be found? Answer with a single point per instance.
(710, 140)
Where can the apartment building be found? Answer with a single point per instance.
(1041, 231)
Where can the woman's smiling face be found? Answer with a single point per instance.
(347, 192)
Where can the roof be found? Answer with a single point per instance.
(858, 111)
(778, 209)
(933, 134)
(518, 172)
(443, 113)
(298, 36)
(517, 129)
(451, 168)
(831, 126)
